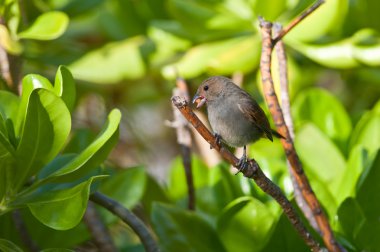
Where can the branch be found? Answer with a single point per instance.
(297, 20)
(98, 230)
(285, 105)
(278, 118)
(129, 218)
(252, 171)
(184, 140)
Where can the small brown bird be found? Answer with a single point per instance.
(235, 117)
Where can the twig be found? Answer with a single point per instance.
(285, 105)
(129, 218)
(23, 231)
(98, 230)
(278, 118)
(297, 20)
(184, 140)
(252, 171)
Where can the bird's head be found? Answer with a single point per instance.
(209, 90)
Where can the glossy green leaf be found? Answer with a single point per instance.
(320, 156)
(367, 238)
(268, 9)
(154, 192)
(64, 86)
(29, 83)
(368, 188)
(366, 47)
(325, 111)
(112, 63)
(96, 152)
(127, 186)
(48, 26)
(9, 104)
(326, 18)
(10, 45)
(9, 246)
(220, 57)
(62, 209)
(366, 132)
(351, 217)
(44, 132)
(248, 216)
(187, 230)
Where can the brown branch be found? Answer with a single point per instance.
(252, 171)
(99, 232)
(285, 105)
(295, 21)
(129, 218)
(184, 140)
(278, 118)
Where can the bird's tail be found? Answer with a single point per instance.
(276, 134)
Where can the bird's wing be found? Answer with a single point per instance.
(252, 111)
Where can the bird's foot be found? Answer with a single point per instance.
(242, 164)
(218, 140)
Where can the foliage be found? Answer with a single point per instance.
(128, 52)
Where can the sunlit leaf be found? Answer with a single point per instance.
(112, 63)
(10, 45)
(50, 25)
(64, 86)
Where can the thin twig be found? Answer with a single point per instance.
(99, 232)
(21, 228)
(252, 171)
(295, 21)
(278, 118)
(184, 140)
(129, 218)
(285, 105)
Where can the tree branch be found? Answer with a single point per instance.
(129, 218)
(278, 118)
(252, 171)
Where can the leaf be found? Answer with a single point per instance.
(112, 63)
(6, 245)
(48, 26)
(351, 217)
(325, 111)
(187, 231)
(9, 104)
(64, 86)
(95, 153)
(45, 130)
(10, 45)
(127, 186)
(57, 250)
(29, 83)
(326, 18)
(62, 209)
(320, 156)
(248, 216)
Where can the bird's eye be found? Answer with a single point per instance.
(205, 88)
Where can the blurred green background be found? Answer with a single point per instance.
(126, 53)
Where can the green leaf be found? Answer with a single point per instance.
(95, 153)
(368, 188)
(326, 18)
(112, 63)
(187, 231)
(320, 156)
(29, 83)
(127, 186)
(45, 130)
(9, 104)
(48, 26)
(248, 216)
(64, 86)
(325, 111)
(351, 217)
(57, 250)
(6, 246)
(366, 132)
(61, 209)
(219, 57)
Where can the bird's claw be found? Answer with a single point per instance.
(242, 164)
(218, 140)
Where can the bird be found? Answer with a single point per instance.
(234, 116)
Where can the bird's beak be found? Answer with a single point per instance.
(200, 100)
